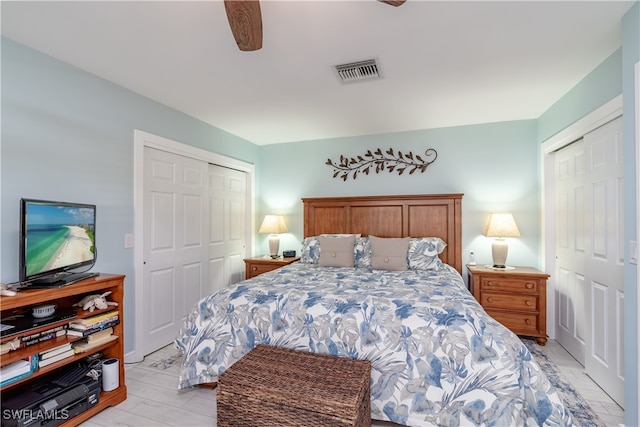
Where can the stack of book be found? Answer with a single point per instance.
(91, 325)
(39, 337)
(55, 354)
(18, 370)
(96, 330)
(94, 340)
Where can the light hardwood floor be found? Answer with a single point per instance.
(153, 399)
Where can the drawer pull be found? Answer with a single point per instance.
(254, 268)
(529, 285)
(527, 321)
(527, 303)
(489, 299)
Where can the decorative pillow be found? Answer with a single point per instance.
(336, 251)
(363, 252)
(389, 253)
(423, 253)
(310, 252)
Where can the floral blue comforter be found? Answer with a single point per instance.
(437, 357)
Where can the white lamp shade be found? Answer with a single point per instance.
(274, 225)
(501, 225)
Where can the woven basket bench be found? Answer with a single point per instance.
(274, 386)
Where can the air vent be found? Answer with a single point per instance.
(358, 71)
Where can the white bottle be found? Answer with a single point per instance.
(472, 258)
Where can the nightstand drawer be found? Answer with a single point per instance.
(509, 301)
(508, 285)
(256, 266)
(257, 269)
(519, 323)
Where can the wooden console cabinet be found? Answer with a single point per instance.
(516, 297)
(63, 298)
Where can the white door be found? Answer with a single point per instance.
(175, 229)
(227, 250)
(605, 259)
(570, 288)
(589, 254)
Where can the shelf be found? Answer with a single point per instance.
(27, 297)
(66, 297)
(24, 352)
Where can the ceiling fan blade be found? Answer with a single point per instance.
(393, 2)
(245, 20)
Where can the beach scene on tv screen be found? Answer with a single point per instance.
(58, 236)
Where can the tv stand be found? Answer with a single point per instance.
(59, 280)
(64, 298)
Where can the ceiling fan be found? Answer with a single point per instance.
(245, 20)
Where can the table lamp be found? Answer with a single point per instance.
(274, 225)
(501, 225)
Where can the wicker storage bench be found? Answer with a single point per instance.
(274, 386)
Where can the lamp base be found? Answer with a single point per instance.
(274, 245)
(505, 268)
(499, 250)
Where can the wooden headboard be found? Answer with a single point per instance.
(428, 215)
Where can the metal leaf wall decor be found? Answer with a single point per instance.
(378, 161)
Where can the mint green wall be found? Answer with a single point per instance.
(601, 85)
(494, 165)
(630, 56)
(68, 135)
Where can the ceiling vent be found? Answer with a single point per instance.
(358, 71)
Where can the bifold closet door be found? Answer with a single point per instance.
(569, 274)
(604, 358)
(589, 265)
(176, 226)
(227, 236)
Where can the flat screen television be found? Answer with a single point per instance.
(57, 242)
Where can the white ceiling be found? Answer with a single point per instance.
(443, 63)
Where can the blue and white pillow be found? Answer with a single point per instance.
(362, 252)
(423, 253)
(310, 253)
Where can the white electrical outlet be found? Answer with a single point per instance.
(128, 241)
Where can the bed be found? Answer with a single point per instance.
(437, 357)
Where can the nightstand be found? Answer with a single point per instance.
(259, 265)
(516, 297)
